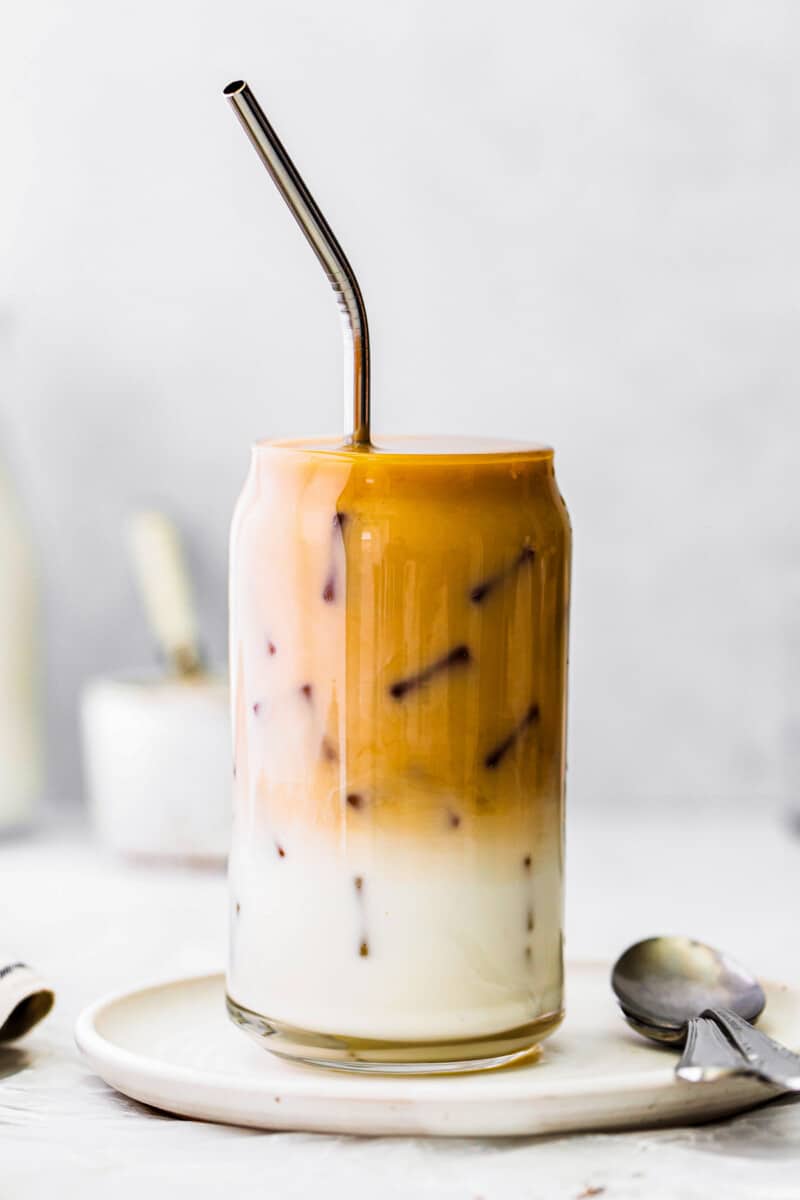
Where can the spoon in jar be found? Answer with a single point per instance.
(681, 992)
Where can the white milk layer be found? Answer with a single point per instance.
(395, 939)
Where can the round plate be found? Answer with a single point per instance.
(172, 1046)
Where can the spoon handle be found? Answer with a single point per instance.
(769, 1060)
(708, 1055)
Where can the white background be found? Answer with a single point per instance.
(573, 222)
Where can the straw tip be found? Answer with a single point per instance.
(233, 89)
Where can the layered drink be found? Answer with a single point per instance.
(398, 666)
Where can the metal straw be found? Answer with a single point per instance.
(322, 241)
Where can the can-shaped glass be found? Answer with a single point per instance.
(398, 649)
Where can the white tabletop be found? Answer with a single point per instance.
(93, 924)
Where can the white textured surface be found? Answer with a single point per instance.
(113, 924)
(572, 221)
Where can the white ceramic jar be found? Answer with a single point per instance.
(158, 765)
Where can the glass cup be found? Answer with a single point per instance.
(398, 666)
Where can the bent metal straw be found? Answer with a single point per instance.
(324, 244)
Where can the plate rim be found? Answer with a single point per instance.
(311, 1082)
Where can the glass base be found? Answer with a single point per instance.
(394, 1057)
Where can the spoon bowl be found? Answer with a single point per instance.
(677, 991)
(663, 982)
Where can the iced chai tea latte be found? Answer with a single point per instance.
(398, 672)
(398, 652)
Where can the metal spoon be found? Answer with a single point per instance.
(678, 991)
(708, 1055)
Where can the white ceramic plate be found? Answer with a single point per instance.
(172, 1046)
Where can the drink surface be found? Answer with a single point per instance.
(441, 448)
(398, 656)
